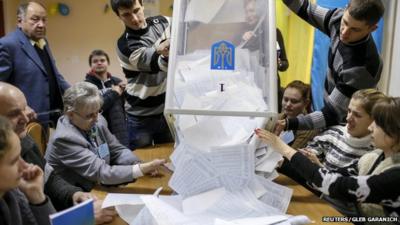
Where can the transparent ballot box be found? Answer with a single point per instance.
(222, 60)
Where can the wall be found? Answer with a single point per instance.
(73, 37)
(394, 77)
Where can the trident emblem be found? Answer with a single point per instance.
(222, 56)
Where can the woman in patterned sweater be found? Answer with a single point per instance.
(381, 179)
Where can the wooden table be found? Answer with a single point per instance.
(303, 202)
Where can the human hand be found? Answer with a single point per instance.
(103, 216)
(31, 183)
(117, 89)
(275, 142)
(80, 196)
(279, 127)
(163, 48)
(248, 35)
(122, 85)
(152, 166)
(311, 156)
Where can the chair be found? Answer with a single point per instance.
(39, 135)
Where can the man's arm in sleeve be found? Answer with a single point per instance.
(313, 14)
(6, 64)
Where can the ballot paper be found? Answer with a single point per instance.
(217, 11)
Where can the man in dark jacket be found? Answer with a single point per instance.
(111, 89)
(61, 193)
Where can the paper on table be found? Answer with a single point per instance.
(276, 195)
(128, 206)
(121, 199)
(264, 220)
(162, 212)
(191, 205)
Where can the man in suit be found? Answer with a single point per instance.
(27, 62)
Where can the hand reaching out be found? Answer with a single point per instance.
(152, 166)
(275, 142)
(279, 126)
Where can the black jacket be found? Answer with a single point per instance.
(113, 108)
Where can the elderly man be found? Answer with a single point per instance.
(61, 193)
(27, 63)
(82, 148)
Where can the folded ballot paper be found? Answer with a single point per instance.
(80, 214)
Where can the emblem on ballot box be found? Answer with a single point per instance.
(222, 56)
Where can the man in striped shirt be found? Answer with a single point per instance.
(353, 59)
(143, 51)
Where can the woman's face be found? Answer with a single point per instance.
(380, 139)
(293, 103)
(11, 165)
(358, 119)
(85, 117)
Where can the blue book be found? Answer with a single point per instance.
(80, 214)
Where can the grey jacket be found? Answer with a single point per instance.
(72, 155)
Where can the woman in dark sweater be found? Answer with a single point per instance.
(22, 200)
(379, 177)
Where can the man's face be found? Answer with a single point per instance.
(251, 13)
(352, 30)
(33, 24)
(133, 17)
(14, 107)
(358, 119)
(99, 64)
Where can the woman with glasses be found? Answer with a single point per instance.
(82, 148)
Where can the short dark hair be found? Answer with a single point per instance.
(369, 11)
(116, 4)
(5, 134)
(386, 115)
(21, 11)
(98, 52)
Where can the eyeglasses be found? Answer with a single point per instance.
(88, 116)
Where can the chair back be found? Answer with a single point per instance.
(39, 135)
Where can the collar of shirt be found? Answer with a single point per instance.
(40, 43)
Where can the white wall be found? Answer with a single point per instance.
(394, 77)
